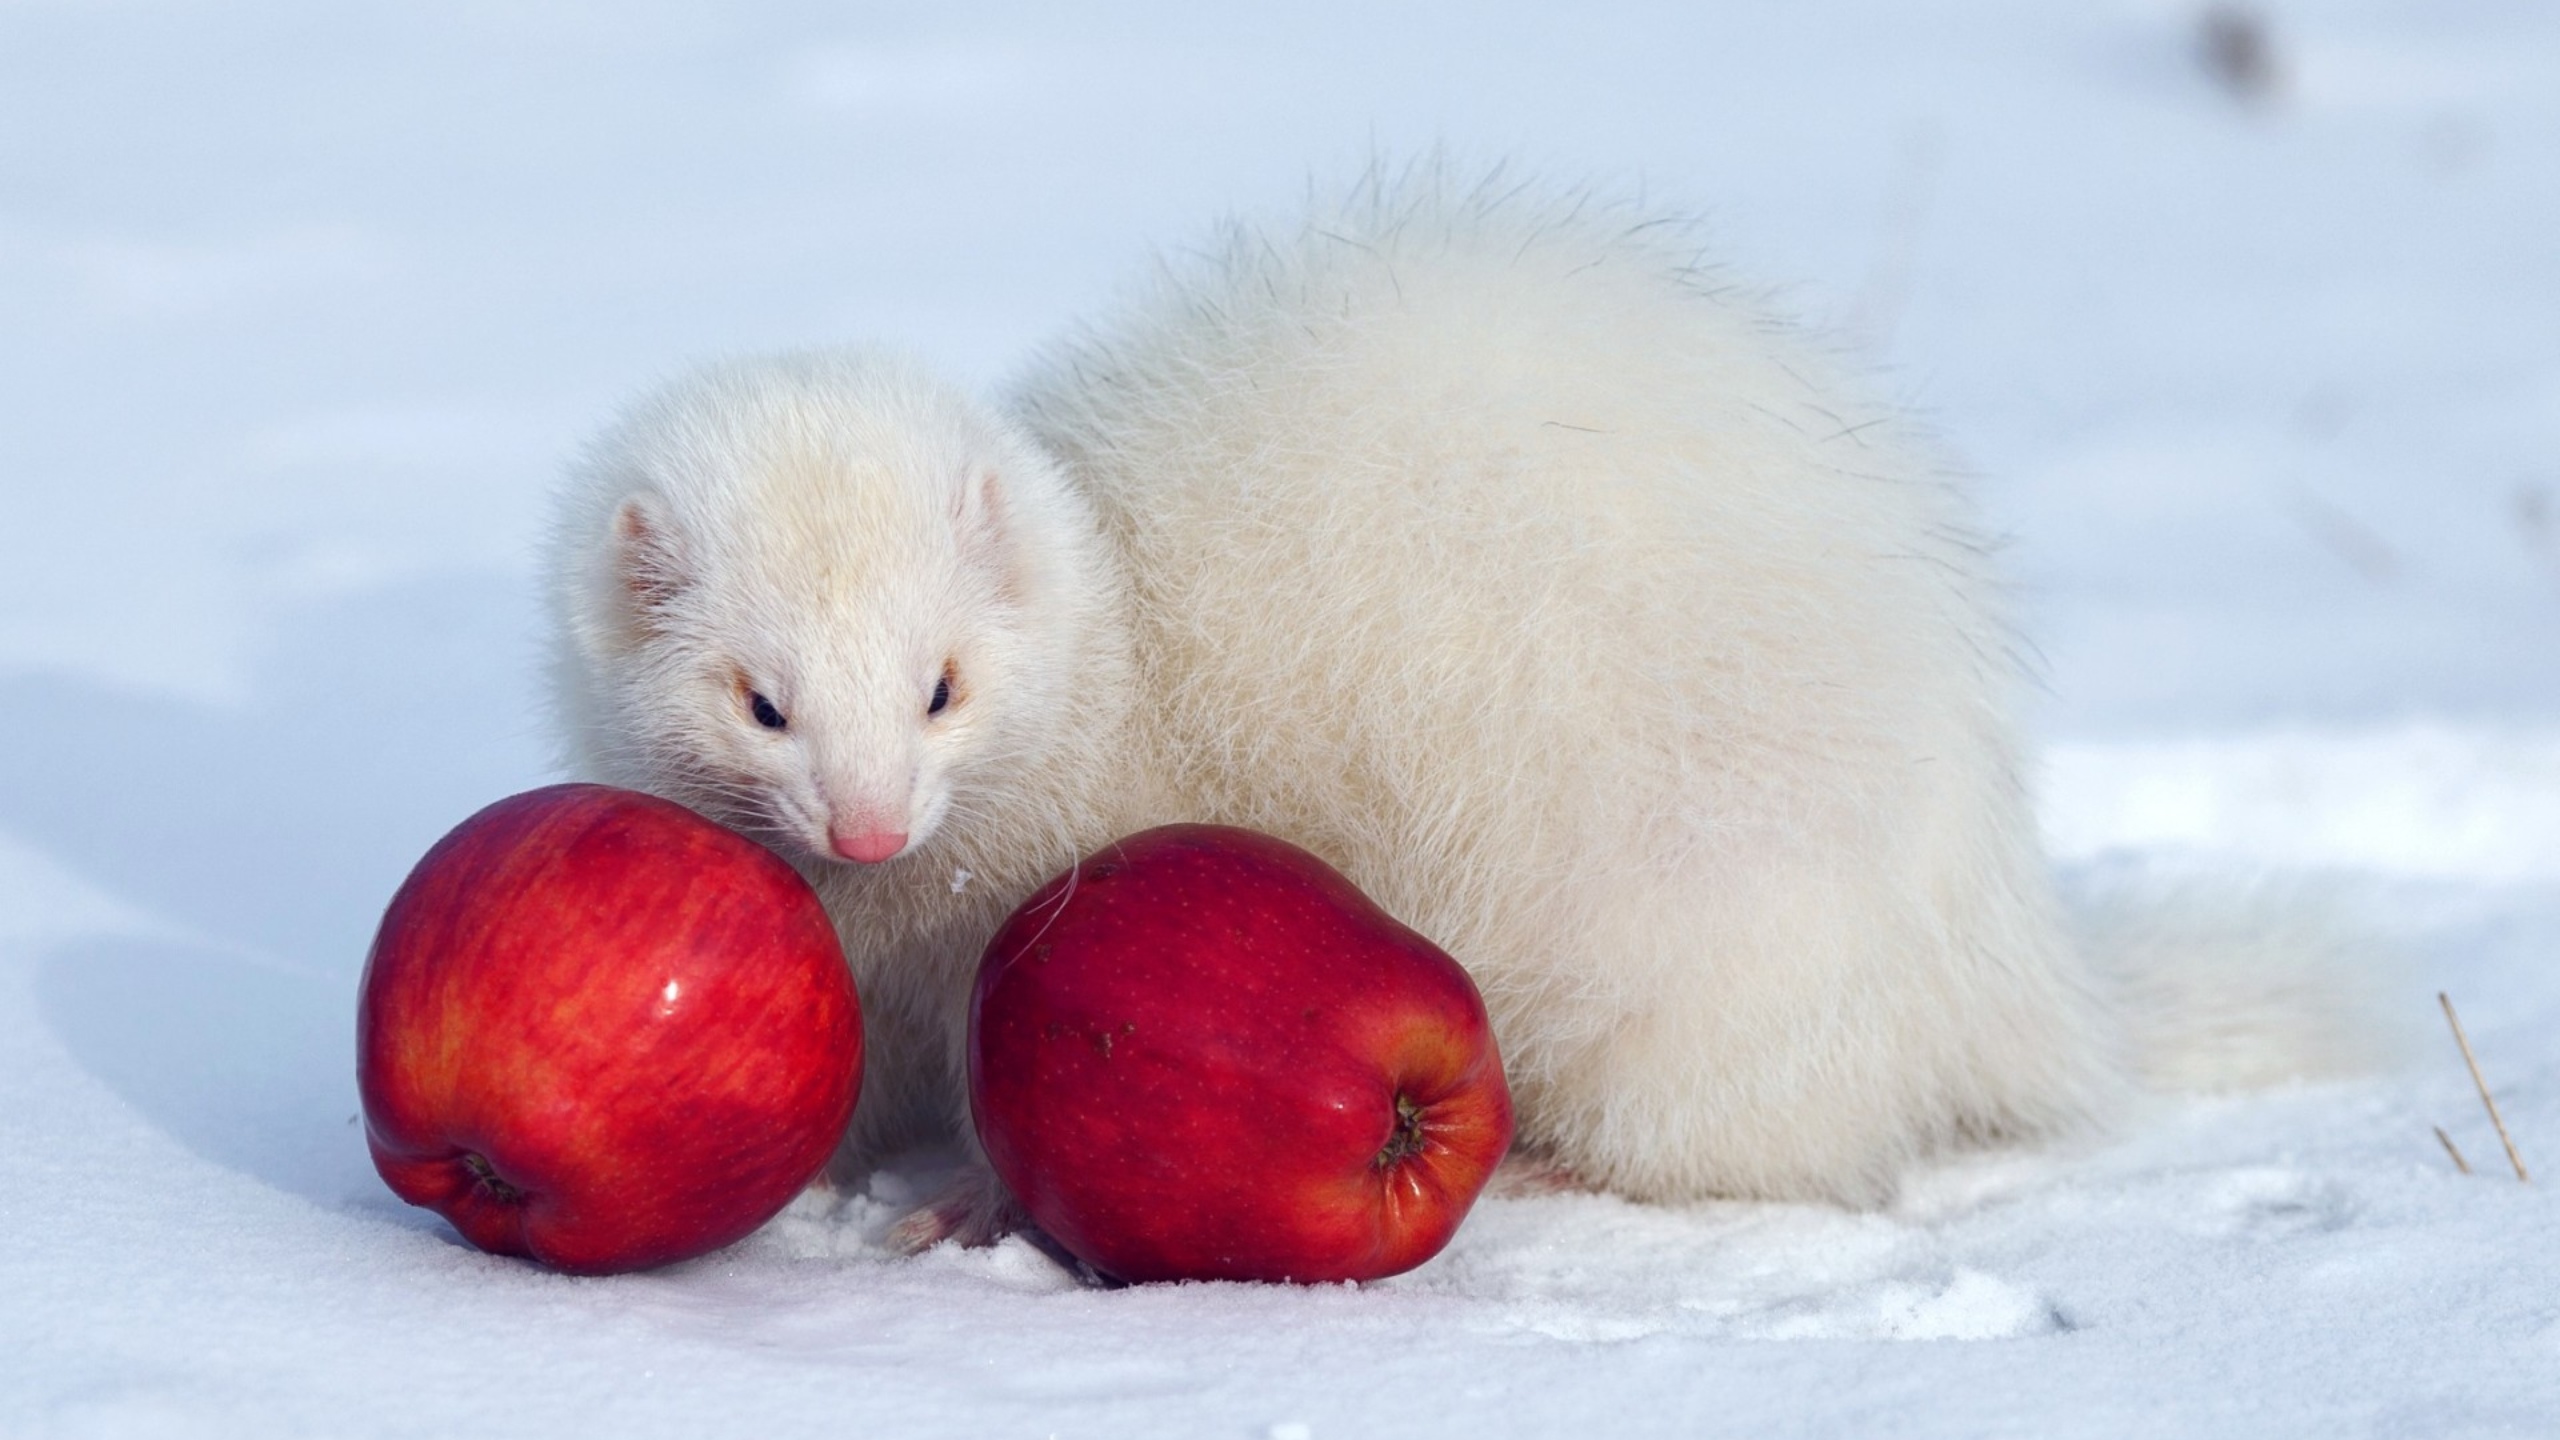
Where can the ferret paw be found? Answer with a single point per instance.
(973, 1210)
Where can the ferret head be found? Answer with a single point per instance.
(809, 595)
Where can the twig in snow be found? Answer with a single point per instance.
(2468, 1059)
(2450, 1149)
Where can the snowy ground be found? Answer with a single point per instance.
(301, 306)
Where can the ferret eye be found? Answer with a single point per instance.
(765, 714)
(941, 700)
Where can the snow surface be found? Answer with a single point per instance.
(301, 306)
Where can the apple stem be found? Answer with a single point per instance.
(487, 1174)
(1407, 1141)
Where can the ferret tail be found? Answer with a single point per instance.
(2224, 988)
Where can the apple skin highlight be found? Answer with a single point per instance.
(1205, 1054)
(602, 1032)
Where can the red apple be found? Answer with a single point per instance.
(1204, 1054)
(601, 1031)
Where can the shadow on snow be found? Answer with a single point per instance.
(267, 836)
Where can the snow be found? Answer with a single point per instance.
(304, 305)
(2421, 799)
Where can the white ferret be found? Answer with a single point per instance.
(1582, 613)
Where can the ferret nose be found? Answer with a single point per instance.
(869, 847)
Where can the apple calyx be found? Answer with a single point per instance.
(1409, 1138)
(491, 1183)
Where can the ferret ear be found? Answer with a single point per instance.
(983, 521)
(647, 565)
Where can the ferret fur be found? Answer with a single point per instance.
(1587, 616)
